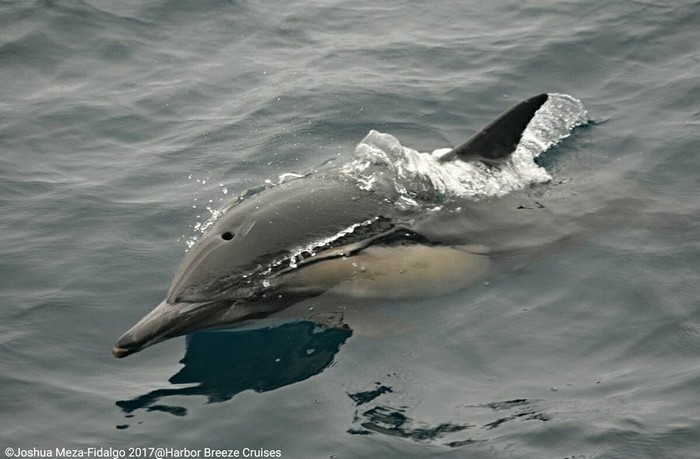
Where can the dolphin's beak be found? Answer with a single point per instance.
(167, 320)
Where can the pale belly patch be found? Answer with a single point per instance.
(391, 272)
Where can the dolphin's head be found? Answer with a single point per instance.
(223, 279)
(220, 281)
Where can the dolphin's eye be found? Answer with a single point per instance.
(227, 236)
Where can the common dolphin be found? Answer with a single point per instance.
(324, 232)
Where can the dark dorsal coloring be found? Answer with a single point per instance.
(494, 144)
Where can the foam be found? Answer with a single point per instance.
(420, 178)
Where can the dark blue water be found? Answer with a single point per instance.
(120, 123)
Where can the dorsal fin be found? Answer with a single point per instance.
(494, 143)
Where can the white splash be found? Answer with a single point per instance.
(421, 180)
(297, 255)
(421, 176)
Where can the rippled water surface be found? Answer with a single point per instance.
(124, 125)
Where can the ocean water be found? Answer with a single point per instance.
(124, 124)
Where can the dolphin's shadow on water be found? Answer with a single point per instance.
(220, 364)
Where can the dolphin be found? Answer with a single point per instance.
(324, 233)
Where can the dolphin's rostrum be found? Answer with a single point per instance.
(316, 234)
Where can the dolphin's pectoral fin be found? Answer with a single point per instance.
(476, 249)
(495, 143)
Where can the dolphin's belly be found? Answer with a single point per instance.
(411, 271)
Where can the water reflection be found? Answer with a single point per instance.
(220, 364)
(376, 412)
